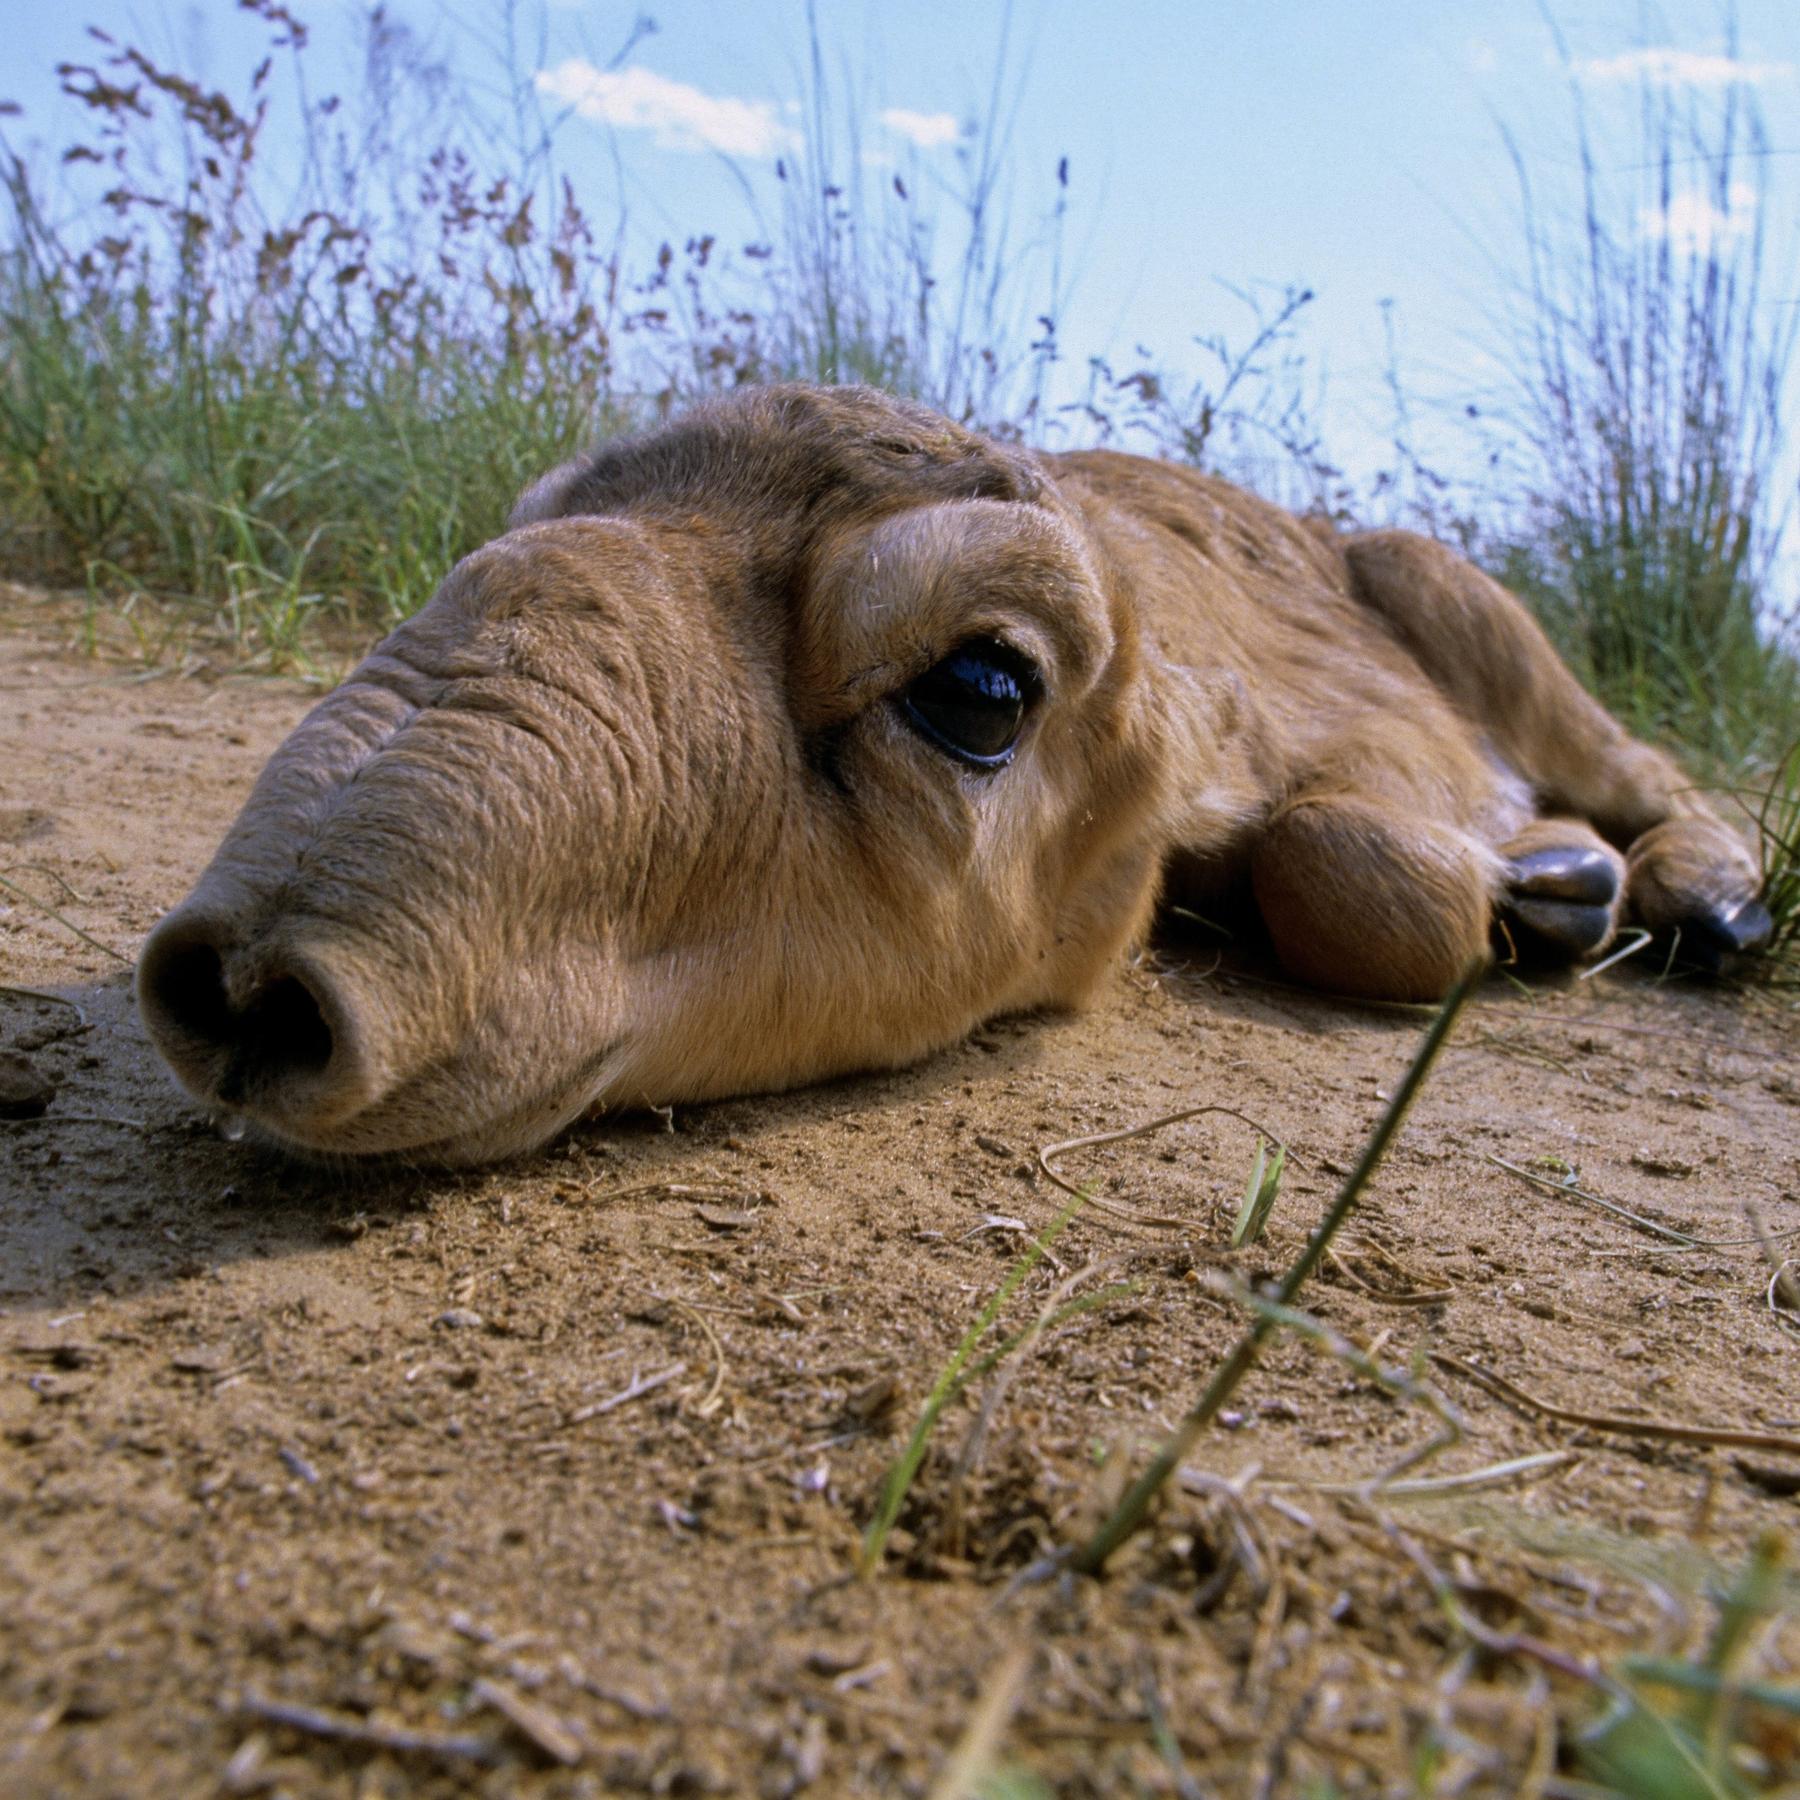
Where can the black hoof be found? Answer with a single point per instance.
(1559, 930)
(1576, 872)
(1712, 941)
(1559, 903)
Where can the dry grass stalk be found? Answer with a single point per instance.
(1685, 1239)
(972, 1760)
(93, 943)
(1091, 1557)
(1048, 1153)
(341, 1728)
(1661, 1430)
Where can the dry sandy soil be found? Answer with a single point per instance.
(548, 1480)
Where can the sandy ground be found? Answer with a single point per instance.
(548, 1479)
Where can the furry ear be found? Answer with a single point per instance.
(547, 497)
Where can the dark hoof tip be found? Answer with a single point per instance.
(1557, 929)
(1713, 941)
(1573, 872)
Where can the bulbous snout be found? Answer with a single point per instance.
(270, 1028)
(441, 925)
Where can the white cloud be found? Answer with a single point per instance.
(1664, 67)
(1483, 58)
(1692, 222)
(930, 131)
(682, 117)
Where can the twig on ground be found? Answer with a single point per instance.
(1686, 1239)
(708, 1403)
(1639, 938)
(536, 1724)
(12, 887)
(1783, 1294)
(56, 875)
(675, 1190)
(1345, 1262)
(1162, 1221)
(1000, 1222)
(1500, 1474)
(635, 1389)
(1781, 1282)
(343, 1728)
(1661, 1430)
(25, 993)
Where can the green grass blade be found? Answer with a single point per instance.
(1260, 1194)
(900, 1477)
(1091, 1557)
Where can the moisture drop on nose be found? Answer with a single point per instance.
(232, 1126)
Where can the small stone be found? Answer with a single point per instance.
(25, 1090)
(725, 1218)
(835, 1659)
(297, 1466)
(461, 1318)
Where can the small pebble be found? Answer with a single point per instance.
(25, 1090)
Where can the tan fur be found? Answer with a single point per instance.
(628, 814)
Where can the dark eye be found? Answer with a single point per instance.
(974, 702)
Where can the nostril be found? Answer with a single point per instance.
(239, 1048)
(184, 988)
(281, 1033)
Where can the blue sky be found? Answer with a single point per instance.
(1352, 146)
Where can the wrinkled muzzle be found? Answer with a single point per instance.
(410, 940)
(364, 933)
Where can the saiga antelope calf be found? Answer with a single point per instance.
(805, 733)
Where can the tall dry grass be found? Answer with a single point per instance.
(277, 400)
(1651, 368)
(270, 405)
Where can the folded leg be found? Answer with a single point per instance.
(1686, 872)
(1361, 897)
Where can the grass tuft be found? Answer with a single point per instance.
(951, 1380)
(1260, 1194)
(281, 351)
(275, 353)
(1698, 1730)
(1778, 839)
(1125, 1518)
(1646, 424)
